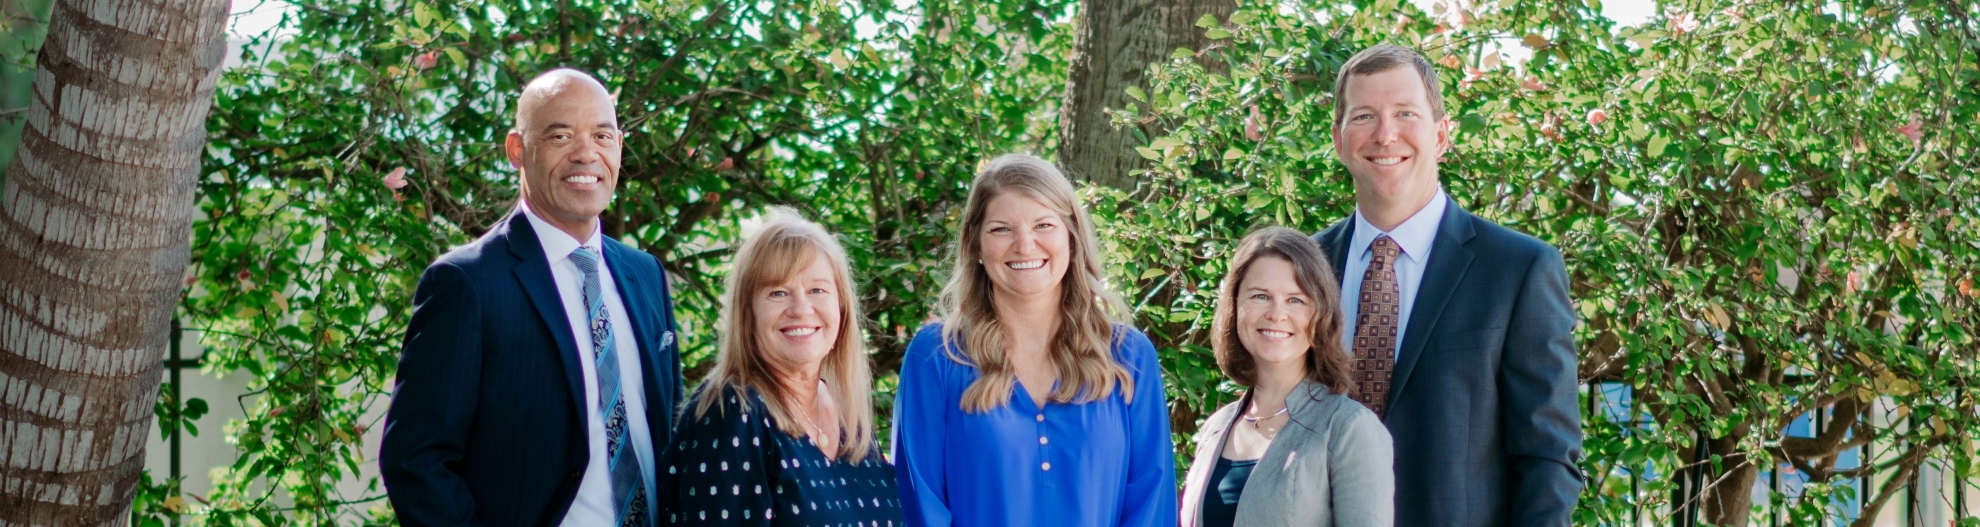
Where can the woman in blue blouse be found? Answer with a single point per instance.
(781, 432)
(1033, 403)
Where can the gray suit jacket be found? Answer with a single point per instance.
(1329, 467)
(1482, 402)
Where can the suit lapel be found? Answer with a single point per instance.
(541, 286)
(632, 293)
(1449, 260)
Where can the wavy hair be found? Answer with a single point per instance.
(1082, 347)
(785, 245)
(1325, 362)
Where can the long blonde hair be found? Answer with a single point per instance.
(786, 245)
(1082, 348)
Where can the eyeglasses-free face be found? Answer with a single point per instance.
(1274, 317)
(1025, 246)
(797, 320)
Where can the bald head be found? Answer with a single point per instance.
(566, 143)
(555, 84)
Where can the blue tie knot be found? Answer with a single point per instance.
(585, 260)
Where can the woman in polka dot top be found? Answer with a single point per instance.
(781, 432)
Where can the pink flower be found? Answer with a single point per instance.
(243, 275)
(396, 180)
(1251, 126)
(1913, 130)
(1682, 23)
(1597, 117)
(1852, 283)
(1532, 83)
(427, 60)
(1471, 75)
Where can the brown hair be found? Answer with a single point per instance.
(787, 244)
(1082, 348)
(1325, 362)
(1381, 58)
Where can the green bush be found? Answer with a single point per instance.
(1749, 237)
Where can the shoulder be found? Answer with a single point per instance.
(1132, 346)
(1335, 233)
(633, 257)
(485, 255)
(928, 345)
(482, 253)
(1503, 242)
(731, 405)
(1218, 419)
(1337, 410)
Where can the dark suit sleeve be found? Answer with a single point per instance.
(433, 405)
(1538, 393)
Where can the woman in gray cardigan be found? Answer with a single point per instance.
(1295, 450)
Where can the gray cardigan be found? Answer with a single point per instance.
(1331, 466)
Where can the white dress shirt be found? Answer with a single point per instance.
(593, 505)
(1414, 236)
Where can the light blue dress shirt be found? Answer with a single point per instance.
(593, 503)
(1098, 464)
(1414, 236)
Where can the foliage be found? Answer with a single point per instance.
(865, 116)
(1749, 238)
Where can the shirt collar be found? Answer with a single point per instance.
(557, 244)
(1414, 236)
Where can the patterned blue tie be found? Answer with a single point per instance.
(628, 489)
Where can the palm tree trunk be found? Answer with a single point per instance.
(95, 219)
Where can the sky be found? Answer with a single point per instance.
(252, 17)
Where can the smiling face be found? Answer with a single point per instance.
(1274, 316)
(797, 320)
(566, 143)
(1389, 138)
(1025, 246)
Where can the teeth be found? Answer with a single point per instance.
(1275, 334)
(1033, 264)
(1387, 160)
(581, 179)
(799, 332)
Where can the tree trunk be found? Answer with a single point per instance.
(1113, 45)
(94, 223)
(1730, 502)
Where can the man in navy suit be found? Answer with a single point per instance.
(540, 366)
(1460, 328)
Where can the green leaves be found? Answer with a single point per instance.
(1731, 214)
(1745, 205)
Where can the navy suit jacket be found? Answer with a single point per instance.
(487, 423)
(1482, 406)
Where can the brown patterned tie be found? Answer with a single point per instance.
(1375, 326)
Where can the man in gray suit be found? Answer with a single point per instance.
(1460, 328)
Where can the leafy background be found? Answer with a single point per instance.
(1766, 207)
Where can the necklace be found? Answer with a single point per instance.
(816, 432)
(1255, 420)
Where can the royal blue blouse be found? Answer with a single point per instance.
(1104, 463)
